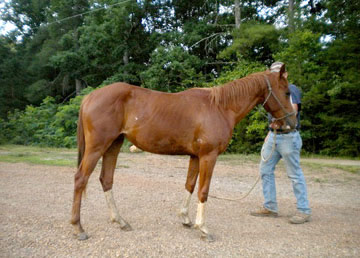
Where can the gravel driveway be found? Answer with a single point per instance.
(35, 204)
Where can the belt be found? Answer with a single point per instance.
(280, 131)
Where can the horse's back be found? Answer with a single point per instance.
(107, 93)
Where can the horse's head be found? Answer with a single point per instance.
(277, 98)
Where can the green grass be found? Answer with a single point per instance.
(321, 166)
(239, 159)
(314, 166)
(351, 169)
(68, 157)
(38, 155)
(319, 156)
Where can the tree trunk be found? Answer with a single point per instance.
(65, 84)
(126, 62)
(237, 12)
(79, 86)
(291, 16)
(126, 57)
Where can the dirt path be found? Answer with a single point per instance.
(35, 203)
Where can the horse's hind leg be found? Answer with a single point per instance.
(107, 178)
(86, 167)
(192, 176)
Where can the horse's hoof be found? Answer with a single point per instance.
(187, 225)
(207, 238)
(126, 227)
(82, 236)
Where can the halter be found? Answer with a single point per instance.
(287, 114)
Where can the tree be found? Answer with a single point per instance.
(12, 77)
(115, 45)
(253, 42)
(60, 46)
(26, 15)
(172, 69)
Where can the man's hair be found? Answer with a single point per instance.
(275, 67)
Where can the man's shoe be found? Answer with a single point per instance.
(300, 218)
(263, 212)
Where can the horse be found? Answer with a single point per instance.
(197, 122)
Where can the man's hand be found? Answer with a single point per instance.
(275, 125)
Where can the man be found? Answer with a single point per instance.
(288, 146)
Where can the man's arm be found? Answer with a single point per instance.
(296, 108)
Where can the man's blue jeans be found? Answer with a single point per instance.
(288, 147)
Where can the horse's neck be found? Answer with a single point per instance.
(247, 97)
(244, 106)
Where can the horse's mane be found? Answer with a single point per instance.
(234, 91)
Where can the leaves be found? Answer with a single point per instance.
(172, 46)
(255, 42)
(172, 69)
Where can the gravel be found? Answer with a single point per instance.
(35, 205)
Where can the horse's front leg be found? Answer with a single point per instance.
(207, 163)
(192, 175)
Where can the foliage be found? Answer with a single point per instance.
(59, 46)
(37, 91)
(253, 41)
(302, 56)
(31, 125)
(332, 94)
(172, 69)
(11, 65)
(50, 124)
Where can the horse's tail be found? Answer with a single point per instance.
(80, 138)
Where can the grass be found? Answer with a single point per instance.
(320, 167)
(314, 166)
(68, 157)
(38, 155)
(319, 156)
(351, 169)
(239, 159)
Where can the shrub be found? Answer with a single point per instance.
(49, 124)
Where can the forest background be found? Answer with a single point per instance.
(60, 50)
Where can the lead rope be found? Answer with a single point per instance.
(272, 149)
(237, 199)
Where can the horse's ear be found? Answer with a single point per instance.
(283, 71)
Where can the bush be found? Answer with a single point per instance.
(49, 124)
(30, 126)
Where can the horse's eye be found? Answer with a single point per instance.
(287, 94)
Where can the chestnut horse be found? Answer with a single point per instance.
(197, 122)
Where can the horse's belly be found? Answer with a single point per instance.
(164, 145)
